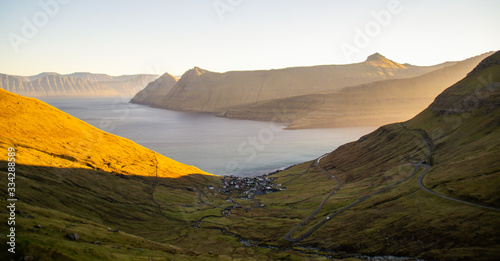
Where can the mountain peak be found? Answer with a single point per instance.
(380, 60)
(198, 70)
(168, 76)
(195, 72)
(376, 57)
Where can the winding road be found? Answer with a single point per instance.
(288, 237)
(426, 165)
(430, 146)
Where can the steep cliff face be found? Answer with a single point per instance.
(201, 90)
(54, 85)
(95, 77)
(156, 91)
(75, 84)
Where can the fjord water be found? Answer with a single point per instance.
(216, 145)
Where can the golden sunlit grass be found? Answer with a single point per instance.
(45, 136)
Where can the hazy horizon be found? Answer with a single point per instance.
(178, 75)
(153, 37)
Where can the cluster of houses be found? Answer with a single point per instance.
(246, 188)
(250, 186)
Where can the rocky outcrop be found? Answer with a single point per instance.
(205, 91)
(72, 236)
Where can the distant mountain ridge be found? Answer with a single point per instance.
(205, 91)
(375, 92)
(51, 84)
(369, 104)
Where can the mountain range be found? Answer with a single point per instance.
(371, 104)
(202, 90)
(374, 92)
(75, 84)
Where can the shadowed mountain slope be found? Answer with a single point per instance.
(155, 90)
(370, 104)
(202, 90)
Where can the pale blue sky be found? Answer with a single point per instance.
(156, 36)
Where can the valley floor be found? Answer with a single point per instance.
(310, 211)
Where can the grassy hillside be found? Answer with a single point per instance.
(464, 125)
(130, 218)
(44, 136)
(463, 128)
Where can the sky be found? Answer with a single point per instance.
(156, 36)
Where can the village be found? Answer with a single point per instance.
(249, 187)
(246, 188)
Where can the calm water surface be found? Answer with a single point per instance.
(216, 145)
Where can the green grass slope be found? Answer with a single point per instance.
(464, 125)
(463, 129)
